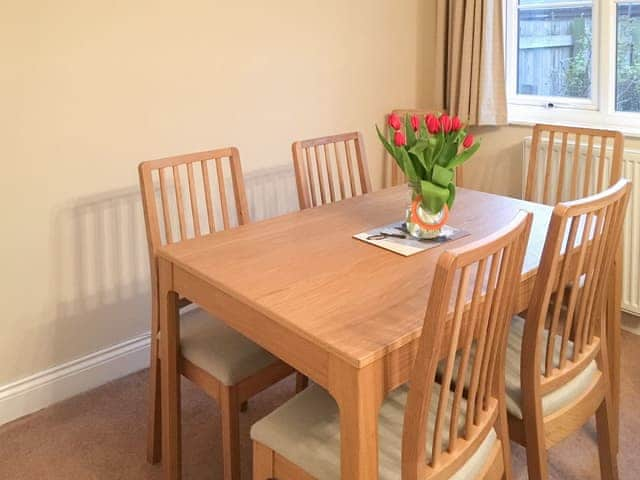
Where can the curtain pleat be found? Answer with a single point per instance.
(470, 80)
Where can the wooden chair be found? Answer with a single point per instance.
(226, 365)
(564, 174)
(397, 176)
(557, 370)
(426, 431)
(586, 162)
(314, 161)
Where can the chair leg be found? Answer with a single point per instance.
(606, 447)
(154, 426)
(535, 448)
(262, 462)
(302, 382)
(229, 413)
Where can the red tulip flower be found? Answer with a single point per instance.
(394, 121)
(415, 122)
(399, 139)
(432, 124)
(445, 123)
(456, 123)
(468, 141)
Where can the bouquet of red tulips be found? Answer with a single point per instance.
(428, 149)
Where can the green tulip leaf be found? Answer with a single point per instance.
(390, 148)
(434, 197)
(420, 146)
(452, 195)
(418, 164)
(463, 156)
(442, 176)
(407, 165)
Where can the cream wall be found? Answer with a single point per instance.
(89, 89)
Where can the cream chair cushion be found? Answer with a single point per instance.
(306, 431)
(554, 401)
(220, 350)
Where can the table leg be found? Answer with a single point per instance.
(359, 393)
(614, 304)
(170, 381)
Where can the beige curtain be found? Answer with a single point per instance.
(470, 79)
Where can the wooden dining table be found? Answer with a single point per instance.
(343, 312)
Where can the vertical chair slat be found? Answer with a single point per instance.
(559, 300)
(314, 202)
(496, 339)
(194, 202)
(466, 354)
(320, 174)
(178, 189)
(327, 161)
(589, 290)
(587, 168)
(207, 194)
(451, 358)
(363, 171)
(532, 168)
(164, 196)
(471, 332)
(239, 193)
(223, 193)
(561, 168)
(575, 292)
(352, 182)
(547, 167)
(486, 348)
(473, 413)
(339, 169)
(600, 182)
(575, 166)
(598, 253)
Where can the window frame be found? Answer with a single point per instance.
(599, 111)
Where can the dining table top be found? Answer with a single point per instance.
(305, 270)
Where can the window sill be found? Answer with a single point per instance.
(528, 115)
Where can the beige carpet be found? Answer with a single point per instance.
(101, 434)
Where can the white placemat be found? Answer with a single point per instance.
(407, 245)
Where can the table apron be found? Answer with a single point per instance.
(302, 354)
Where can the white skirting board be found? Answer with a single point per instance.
(45, 388)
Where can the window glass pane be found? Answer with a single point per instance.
(628, 58)
(552, 2)
(554, 49)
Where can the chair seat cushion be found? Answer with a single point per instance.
(553, 401)
(306, 431)
(218, 349)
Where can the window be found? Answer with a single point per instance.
(574, 61)
(628, 57)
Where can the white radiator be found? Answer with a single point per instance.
(631, 234)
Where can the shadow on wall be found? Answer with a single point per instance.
(101, 273)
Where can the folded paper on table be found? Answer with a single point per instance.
(408, 246)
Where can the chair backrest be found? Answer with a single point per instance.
(471, 340)
(187, 196)
(325, 171)
(396, 175)
(570, 289)
(578, 168)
